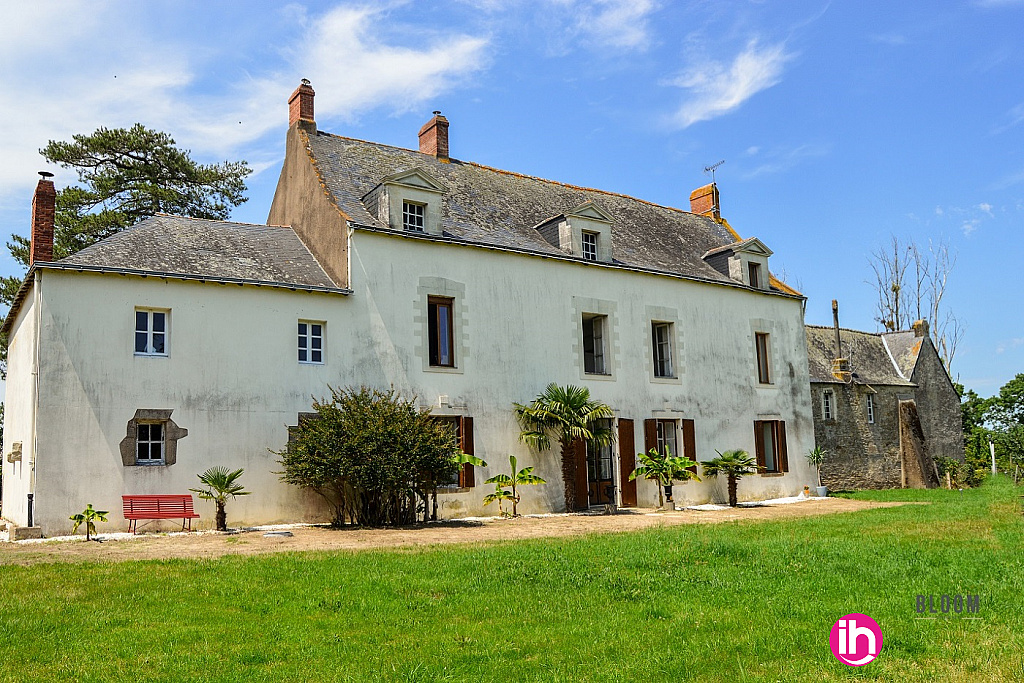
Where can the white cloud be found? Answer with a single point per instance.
(986, 208)
(939, 211)
(969, 226)
(1003, 347)
(717, 89)
(619, 23)
(782, 159)
(1012, 118)
(72, 67)
(889, 39)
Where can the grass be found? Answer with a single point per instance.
(725, 602)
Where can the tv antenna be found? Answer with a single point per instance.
(710, 170)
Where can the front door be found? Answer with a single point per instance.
(600, 481)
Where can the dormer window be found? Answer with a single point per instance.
(745, 262)
(589, 242)
(412, 216)
(754, 273)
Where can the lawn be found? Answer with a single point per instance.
(722, 602)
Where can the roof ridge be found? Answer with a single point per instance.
(213, 220)
(522, 175)
(845, 329)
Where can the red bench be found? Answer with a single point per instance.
(158, 507)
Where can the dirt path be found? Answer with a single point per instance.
(207, 544)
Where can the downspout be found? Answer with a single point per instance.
(37, 304)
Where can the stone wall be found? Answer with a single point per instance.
(938, 405)
(859, 454)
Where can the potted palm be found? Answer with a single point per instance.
(734, 465)
(664, 469)
(815, 457)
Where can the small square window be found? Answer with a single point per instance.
(149, 443)
(593, 345)
(311, 342)
(590, 246)
(150, 332)
(412, 216)
(441, 330)
(661, 338)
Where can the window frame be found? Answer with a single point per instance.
(762, 354)
(149, 442)
(435, 358)
(599, 348)
(590, 249)
(309, 348)
(414, 221)
(663, 437)
(828, 409)
(780, 448)
(151, 332)
(754, 274)
(657, 345)
(871, 408)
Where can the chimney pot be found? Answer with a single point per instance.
(44, 208)
(704, 202)
(434, 137)
(920, 328)
(300, 107)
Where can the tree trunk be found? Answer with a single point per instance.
(732, 490)
(222, 517)
(569, 474)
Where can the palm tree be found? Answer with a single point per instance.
(518, 478)
(664, 469)
(221, 483)
(89, 515)
(734, 464)
(567, 414)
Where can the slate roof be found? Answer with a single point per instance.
(498, 208)
(869, 360)
(207, 249)
(905, 348)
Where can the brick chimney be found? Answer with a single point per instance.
(920, 328)
(434, 137)
(300, 107)
(704, 202)
(43, 210)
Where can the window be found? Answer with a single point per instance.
(149, 444)
(589, 246)
(754, 271)
(412, 216)
(593, 344)
(871, 409)
(827, 401)
(770, 446)
(440, 329)
(761, 342)
(661, 338)
(465, 476)
(311, 341)
(150, 332)
(667, 438)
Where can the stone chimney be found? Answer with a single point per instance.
(704, 202)
(434, 137)
(920, 328)
(43, 210)
(840, 365)
(835, 326)
(300, 107)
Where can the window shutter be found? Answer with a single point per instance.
(759, 444)
(627, 462)
(690, 443)
(783, 455)
(468, 474)
(650, 435)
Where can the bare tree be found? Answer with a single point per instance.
(911, 284)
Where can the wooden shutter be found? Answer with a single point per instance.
(690, 443)
(582, 492)
(627, 463)
(467, 477)
(783, 455)
(759, 444)
(650, 435)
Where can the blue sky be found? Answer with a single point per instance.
(840, 124)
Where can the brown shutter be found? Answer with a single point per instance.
(468, 475)
(582, 494)
(783, 454)
(627, 463)
(650, 435)
(690, 443)
(759, 444)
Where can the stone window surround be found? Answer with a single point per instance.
(450, 289)
(830, 402)
(765, 327)
(664, 314)
(587, 306)
(172, 433)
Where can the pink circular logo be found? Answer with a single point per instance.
(855, 639)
